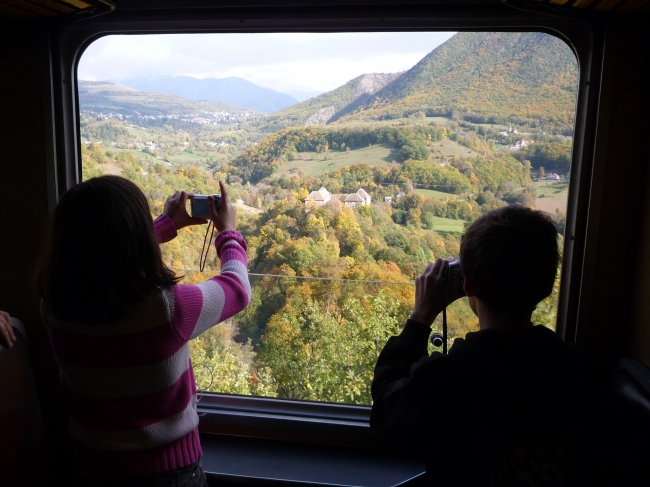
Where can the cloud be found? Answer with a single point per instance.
(282, 61)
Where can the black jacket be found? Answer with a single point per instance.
(500, 408)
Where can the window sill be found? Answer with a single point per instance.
(276, 441)
(282, 419)
(229, 459)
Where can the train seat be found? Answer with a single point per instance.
(629, 421)
(21, 424)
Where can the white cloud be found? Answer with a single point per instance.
(282, 61)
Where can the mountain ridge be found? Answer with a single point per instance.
(482, 75)
(238, 91)
(105, 97)
(338, 99)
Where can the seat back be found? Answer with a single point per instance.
(21, 424)
(628, 435)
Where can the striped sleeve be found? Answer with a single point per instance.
(196, 308)
(164, 228)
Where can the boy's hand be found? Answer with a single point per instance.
(224, 216)
(176, 209)
(7, 335)
(428, 293)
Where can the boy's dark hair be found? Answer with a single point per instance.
(511, 255)
(103, 254)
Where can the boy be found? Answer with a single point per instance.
(511, 402)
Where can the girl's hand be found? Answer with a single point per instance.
(223, 216)
(7, 335)
(176, 209)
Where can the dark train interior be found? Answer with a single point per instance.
(604, 300)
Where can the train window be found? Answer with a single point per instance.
(353, 159)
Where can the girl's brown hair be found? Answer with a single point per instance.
(103, 254)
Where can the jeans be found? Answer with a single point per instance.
(188, 476)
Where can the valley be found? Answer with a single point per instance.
(465, 131)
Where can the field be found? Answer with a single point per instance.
(317, 163)
(438, 195)
(492, 125)
(185, 159)
(449, 148)
(394, 121)
(182, 159)
(447, 225)
(551, 195)
(366, 123)
(437, 120)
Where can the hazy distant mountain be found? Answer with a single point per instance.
(101, 96)
(480, 75)
(303, 95)
(231, 90)
(320, 109)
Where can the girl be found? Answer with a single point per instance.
(119, 324)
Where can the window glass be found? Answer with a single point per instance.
(353, 160)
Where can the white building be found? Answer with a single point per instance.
(520, 144)
(352, 200)
(319, 197)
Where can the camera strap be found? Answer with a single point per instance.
(444, 323)
(206, 249)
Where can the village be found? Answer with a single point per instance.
(210, 118)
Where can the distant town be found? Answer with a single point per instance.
(211, 118)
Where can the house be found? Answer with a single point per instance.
(365, 197)
(352, 200)
(319, 197)
(552, 176)
(388, 199)
(520, 144)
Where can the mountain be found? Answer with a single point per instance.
(319, 110)
(303, 95)
(101, 96)
(231, 90)
(482, 77)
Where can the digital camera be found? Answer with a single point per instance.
(199, 205)
(453, 282)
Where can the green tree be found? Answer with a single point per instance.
(322, 352)
(416, 149)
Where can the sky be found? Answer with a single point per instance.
(282, 61)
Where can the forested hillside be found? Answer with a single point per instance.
(330, 285)
(320, 109)
(265, 158)
(484, 77)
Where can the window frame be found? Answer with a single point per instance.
(342, 423)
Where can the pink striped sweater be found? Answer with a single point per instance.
(129, 385)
